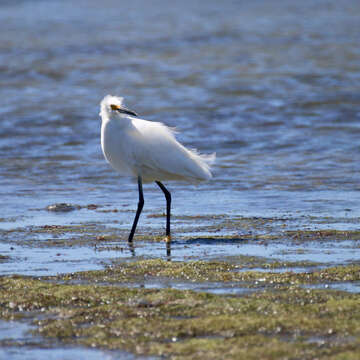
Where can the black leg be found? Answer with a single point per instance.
(138, 211)
(132, 248)
(168, 207)
(168, 251)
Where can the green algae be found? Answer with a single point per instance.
(4, 258)
(177, 324)
(282, 321)
(253, 262)
(214, 271)
(328, 234)
(217, 228)
(59, 235)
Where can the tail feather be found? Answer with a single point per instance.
(203, 169)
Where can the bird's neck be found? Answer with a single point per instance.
(120, 120)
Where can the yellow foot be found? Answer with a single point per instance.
(167, 238)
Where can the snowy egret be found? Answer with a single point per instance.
(148, 151)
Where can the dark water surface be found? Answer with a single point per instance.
(271, 86)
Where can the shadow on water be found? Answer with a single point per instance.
(214, 241)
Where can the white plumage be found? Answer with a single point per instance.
(149, 151)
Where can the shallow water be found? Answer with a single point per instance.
(273, 88)
(18, 343)
(350, 286)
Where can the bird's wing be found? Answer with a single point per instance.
(157, 148)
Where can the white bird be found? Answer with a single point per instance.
(148, 151)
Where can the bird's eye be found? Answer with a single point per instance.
(114, 107)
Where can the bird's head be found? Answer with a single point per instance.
(114, 105)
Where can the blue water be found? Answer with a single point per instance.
(272, 87)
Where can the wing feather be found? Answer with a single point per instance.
(160, 156)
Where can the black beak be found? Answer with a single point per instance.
(127, 111)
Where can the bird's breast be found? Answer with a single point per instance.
(115, 147)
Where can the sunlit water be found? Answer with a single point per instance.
(271, 86)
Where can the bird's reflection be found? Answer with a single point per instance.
(132, 248)
(168, 250)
